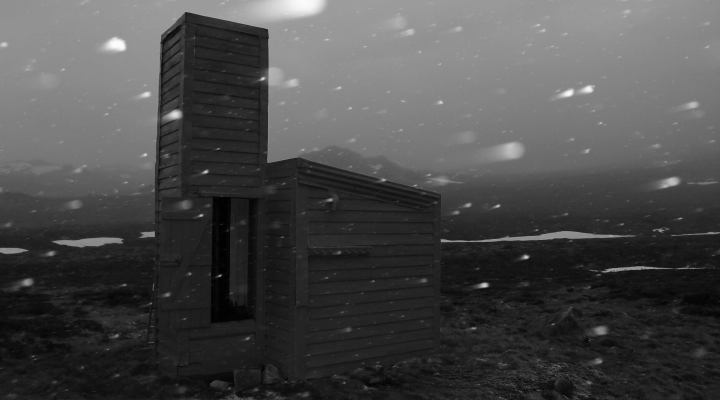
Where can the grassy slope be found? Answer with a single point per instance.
(78, 332)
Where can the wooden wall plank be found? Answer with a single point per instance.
(278, 344)
(233, 146)
(360, 205)
(225, 134)
(278, 275)
(226, 79)
(223, 34)
(171, 126)
(207, 121)
(368, 308)
(168, 172)
(224, 168)
(233, 58)
(197, 318)
(217, 349)
(225, 90)
(363, 274)
(274, 321)
(224, 180)
(369, 285)
(169, 93)
(370, 239)
(369, 319)
(343, 263)
(170, 85)
(169, 42)
(170, 62)
(224, 329)
(223, 156)
(171, 73)
(172, 137)
(237, 69)
(167, 183)
(167, 160)
(369, 330)
(227, 46)
(318, 216)
(278, 298)
(361, 227)
(225, 100)
(368, 297)
(225, 112)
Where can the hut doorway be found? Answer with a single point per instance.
(231, 228)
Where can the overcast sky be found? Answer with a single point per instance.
(533, 85)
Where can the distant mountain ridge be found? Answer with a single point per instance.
(681, 197)
(378, 166)
(39, 178)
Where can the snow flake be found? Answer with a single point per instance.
(666, 183)
(687, 106)
(483, 285)
(114, 45)
(171, 116)
(74, 204)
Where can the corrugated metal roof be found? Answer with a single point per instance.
(316, 174)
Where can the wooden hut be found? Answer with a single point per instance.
(301, 265)
(352, 270)
(211, 157)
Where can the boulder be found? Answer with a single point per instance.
(271, 375)
(219, 385)
(246, 378)
(564, 324)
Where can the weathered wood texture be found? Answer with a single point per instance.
(212, 116)
(359, 261)
(280, 306)
(184, 251)
(211, 142)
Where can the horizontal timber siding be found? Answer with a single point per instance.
(279, 274)
(369, 309)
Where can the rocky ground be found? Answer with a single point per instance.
(521, 320)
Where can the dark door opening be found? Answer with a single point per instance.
(230, 260)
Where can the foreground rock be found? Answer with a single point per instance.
(271, 375)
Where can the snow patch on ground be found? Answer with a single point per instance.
(93, 242)
(11, 250)
(563, 235)
(545, 236)
(639, 268)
